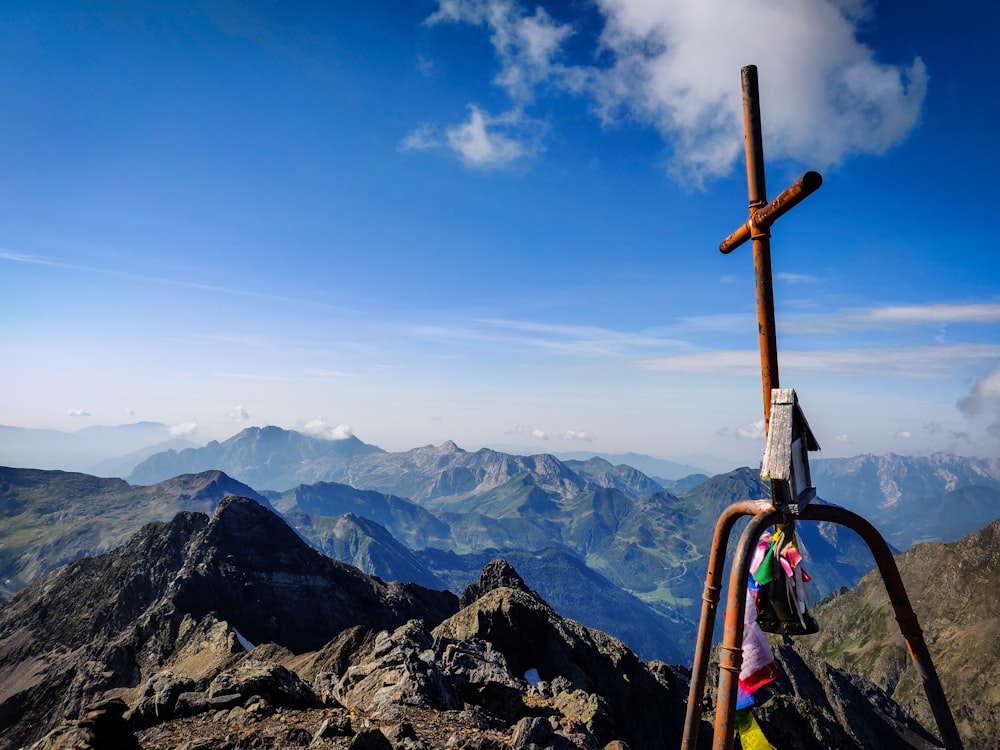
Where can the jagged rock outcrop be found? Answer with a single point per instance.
(229, 632)
(642, 710)
(815, 705)
(496, 574)
(148, 615)
(399, 670)
(275, 588)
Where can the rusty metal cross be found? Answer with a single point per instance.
(757, 229)
(765, 512)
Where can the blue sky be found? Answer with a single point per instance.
(497, 222)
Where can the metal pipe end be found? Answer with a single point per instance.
(812, 180)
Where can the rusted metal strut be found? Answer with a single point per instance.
(764, 515)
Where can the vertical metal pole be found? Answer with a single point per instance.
(731, 656)
(710, 602)
(761, 238)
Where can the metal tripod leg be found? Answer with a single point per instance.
(710, 602)
(732, 652)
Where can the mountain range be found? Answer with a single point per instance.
(626, 565)
(596, 539)
(602, 543)
(229, 630)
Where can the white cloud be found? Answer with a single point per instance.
(239, 414)
(527, 44)
(539, 434)
(905, 434)
(322, 429)
(490, 142)
(184, 428)
(823, 95)
(984, 395)
(984, 398)
(78, 413)
(675, 64)
(483, 141)
(580, 435)
(424, 138)
(751, 431)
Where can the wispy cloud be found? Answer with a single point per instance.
(239, 414)
(903, 362)
(78, 413)
(984, 398)
(322, 429)
(535, 433)
(672, 65)
(751, 431)
(183, 428)
(941, 313)
(253, 376)
(491, 142)
(682, 346)
(556, 338)
(15, 257)
(423, 138)
(577, 338)
(527, 44)
(890, 317)
(328, 373)
(482, 141)
(797, 278)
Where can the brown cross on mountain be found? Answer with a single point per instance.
(757, 229)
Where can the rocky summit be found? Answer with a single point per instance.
(228, 631)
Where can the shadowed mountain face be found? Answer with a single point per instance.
(287, 592)
(230, 631)
(106, 622)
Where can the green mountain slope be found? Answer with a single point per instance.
(408, 522)
(953, 590)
